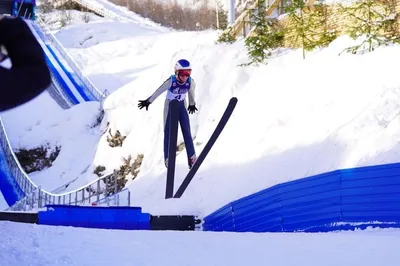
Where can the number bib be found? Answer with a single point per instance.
(178, 91)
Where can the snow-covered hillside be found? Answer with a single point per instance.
(26, 244)
(295, 117)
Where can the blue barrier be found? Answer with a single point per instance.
(8, 184)
(128, 218)
(338, 200)
(74, 80)
(60, 80)
(10, 189)
(85, 93)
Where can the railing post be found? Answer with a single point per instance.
(115, 182)
(98, 189)
(40, 198)
(115, 187)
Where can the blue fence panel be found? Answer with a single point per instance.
(75, 80)
(71, 97)
(72, 77)
(221, 220)
(338, 200)
(128, 218)
(9, 187)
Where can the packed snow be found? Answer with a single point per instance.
(35, 245)
(294, 118)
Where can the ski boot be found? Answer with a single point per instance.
(192, 161)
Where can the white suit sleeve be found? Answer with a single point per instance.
(192, 93)
(164, 87)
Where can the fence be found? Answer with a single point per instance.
(95, 9)
(32, 196)
(91, 91)
(338, 200)
(244, 25)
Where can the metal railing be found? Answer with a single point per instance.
(93, 93)
(35, 197)
(95, 9)
(102, 191)
(58, 94)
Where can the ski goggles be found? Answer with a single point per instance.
(184, 73)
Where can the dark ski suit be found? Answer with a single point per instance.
(178, 91)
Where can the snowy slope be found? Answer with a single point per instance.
(294, 118)
(3, 203)
(314, 115)
(41, 122)
(25, 244)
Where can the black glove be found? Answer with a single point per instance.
(144, 103)
(192, 109)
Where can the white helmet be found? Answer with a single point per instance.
(183, 64)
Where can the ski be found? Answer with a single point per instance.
(225, 117)
(173, 114)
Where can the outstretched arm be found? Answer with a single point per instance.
(192, 93)
(165, 86)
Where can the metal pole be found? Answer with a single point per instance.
(115, 186)
(216, 12)
(98, 190)
(231, 12)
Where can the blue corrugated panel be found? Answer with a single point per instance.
(389, 197)
(220, 220)
(371, 216)
(266, 206)
(95, 217)
(262, 209)
(271, 195)
(371, 182)
(322, 216)
(338, 200)
(369, 168)
(370, 190)
(267, 222)
(223, 223)
(309, 182)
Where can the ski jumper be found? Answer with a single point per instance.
(177, 91)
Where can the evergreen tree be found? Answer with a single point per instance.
(265, 35)
(327, 31)
(222, 16)
(308, 28)
(372, 20)
(226, 36)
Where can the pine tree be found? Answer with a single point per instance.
(369, 19)
(327, 31)
(265, 36)
(309, 29)
(226, 36)
(222, 16)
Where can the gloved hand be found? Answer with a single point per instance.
(192, 109)
(144, 103)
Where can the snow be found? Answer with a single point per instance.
(3, 203)
(25, 244)
(294, 118)
(41, 122)
(333, 112)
